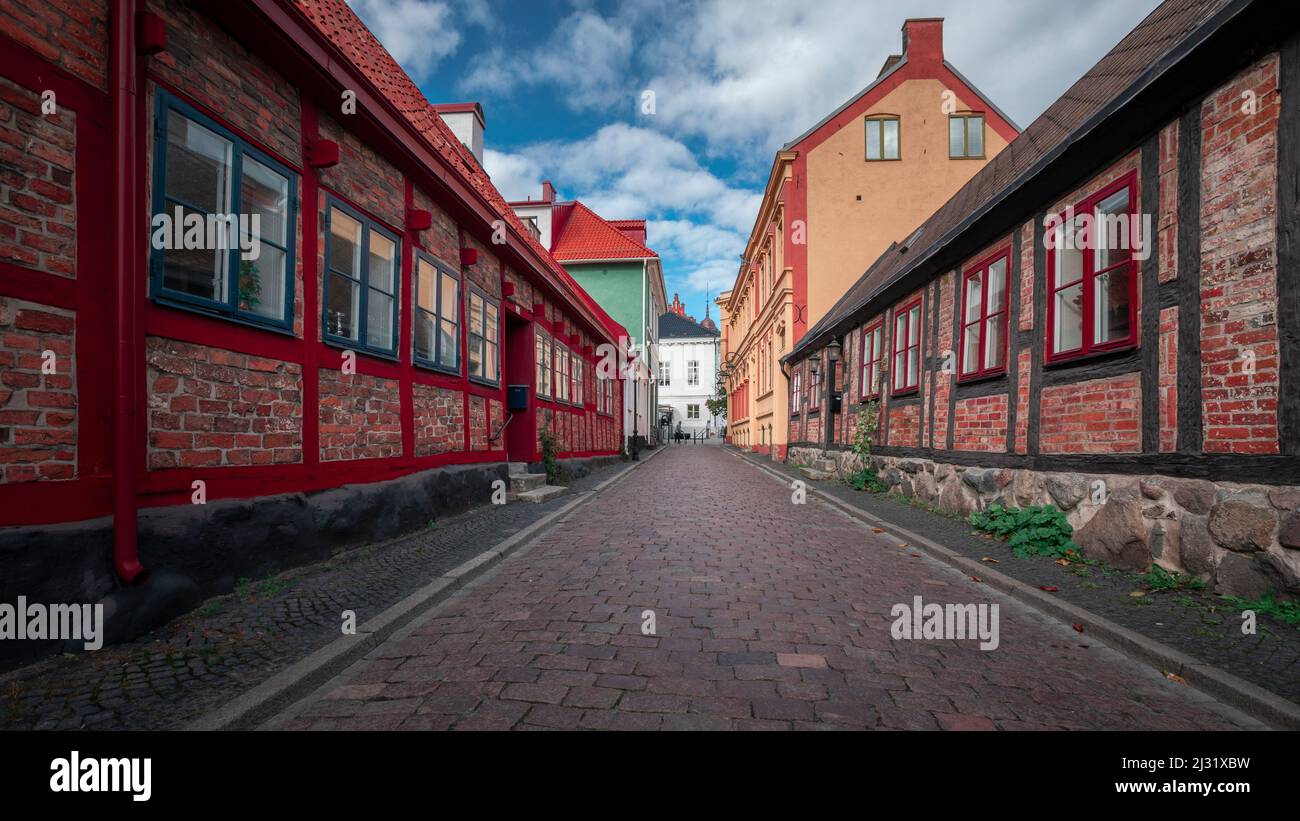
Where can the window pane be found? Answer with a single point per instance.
(449, 344)
(475, 313)
(956, 137)
(379, 319)
(426, 285)
(345, 244)
(995, 341)
(970, 355)
(1111, 306)
(342, 307)
(490, 328)
(424, 329)
(975, 137)
(475, 357)
(974, 297)
(196, 272)
(891, 138)
(1069, 259)
(261, 283)
(448, 308)
(265, 194)
(913, 364)
(914, 325)
(490, 358)
(381, 274)
(873, 139)
(1068, 333)
(198, 165)
(1111, 233)
(997, 286)
(900, 363)
(900, 328)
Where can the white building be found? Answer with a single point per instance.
(688, 366)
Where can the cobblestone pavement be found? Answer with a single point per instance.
(768, 615)
(1196, 622)
(232, 643)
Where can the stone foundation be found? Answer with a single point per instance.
(1242, 539)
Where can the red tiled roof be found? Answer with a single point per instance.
(341, 26)
(581, 234)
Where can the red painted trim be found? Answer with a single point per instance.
(38, 286)
(982, 267)
(904, 311)
(215, 332)
(309, 257)
(877, 357)
(405, 329)
(29, 70)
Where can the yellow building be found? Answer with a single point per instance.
(837, 196)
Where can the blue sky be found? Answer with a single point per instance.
(562, 82)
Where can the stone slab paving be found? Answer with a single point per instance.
(1196, 622)
(227, 646)
(768, 615)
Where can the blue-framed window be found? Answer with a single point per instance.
(437, 315)
(224, 220)
(361, 281)
(484, 336)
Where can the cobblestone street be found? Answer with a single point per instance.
(768, 615)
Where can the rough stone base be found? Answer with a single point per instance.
(195, 552)
(1243, 540)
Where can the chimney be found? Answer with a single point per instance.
(677, 307)
(923, 40)
(548, 191)
(466, 122)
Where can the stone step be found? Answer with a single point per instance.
(816, 475)
(519, 482)
(545, 493)
(827, 465)
(516, 467)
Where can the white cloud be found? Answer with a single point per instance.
(418, 33)
(517, 177)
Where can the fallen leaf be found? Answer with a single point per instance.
(904, 544)
(990, 560)
(1175, 678)
(1048, 588)
(1137, 594)
(1063, 562)
(976, 579)
(1078, 628)
(877, 530)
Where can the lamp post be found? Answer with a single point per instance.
(832, 357)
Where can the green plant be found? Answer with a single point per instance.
(1157, 578)
(250, 285)
(866, 479)
(1283, 611)
(549, 462)
(865, 431)
(1030, 531)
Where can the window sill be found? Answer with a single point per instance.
(210, 313)
(352, 345)
(975, 379)
(478, 380)
(426, 365)
(1066, 360)
(905, 392)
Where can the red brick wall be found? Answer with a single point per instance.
(210, 407)
(1098, 416)
(1168, 380)
(364, 177)
(359, 417)
(1024, 363)
(37, 187)
(1239, 339)
(439, 420)
(1167, 219)
(1030, 235)
(441, 239)
(903, 426)
(980, 423)
(38, 411)
(72, 35)
(946, 354)
(486, 416)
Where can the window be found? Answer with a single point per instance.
(984, 318)
(484, 353)
(1092, 304)
(561, 373)
(665, 376)
(872, 355)
(966, 136)
(437, 315)
(692, 411)
(542, 357)
(360, 282)
(814, 389)
(882, 138)
(796, 391)
(577, 380)
(242, 199)
(907, 347)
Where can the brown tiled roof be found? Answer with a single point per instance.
(1080, 109)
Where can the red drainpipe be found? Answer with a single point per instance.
(126, 555)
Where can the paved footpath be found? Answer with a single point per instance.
(768, 614)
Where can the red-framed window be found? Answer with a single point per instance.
(907, 348)
(984, 317)
(873, 354)
(1092, 297)
(814, 389)
(796, 391)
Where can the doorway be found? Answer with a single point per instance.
(521, 431)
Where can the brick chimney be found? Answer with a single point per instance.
(548, 191)
(923, 40)
(677, 307)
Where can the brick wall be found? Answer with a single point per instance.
(486, 416)
(1168, 380)
(439, 420)
(980, 423)
(944, 384)
(1024, 365)
(1239, 338)
(359, 417)
(441, 239)
(903, 426)
(73, 36)
(1167, 218)
(38, 410)
(1097, 416)
(364, 177)
(1030, 234)
(37, 184)
(211, 407)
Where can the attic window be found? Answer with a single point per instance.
(882, 137)
(907, 243)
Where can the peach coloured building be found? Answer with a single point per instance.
(837, 195)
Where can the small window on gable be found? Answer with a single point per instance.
(966, 136)
(882, 137)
